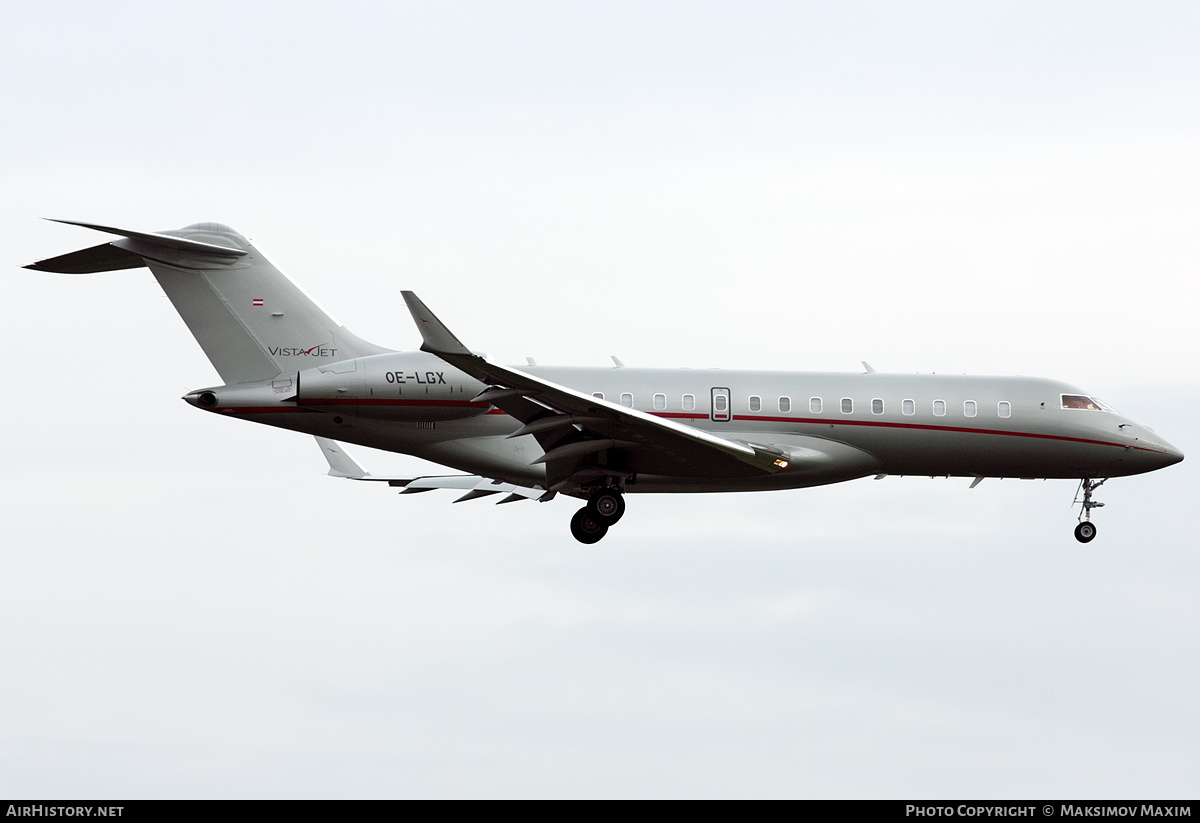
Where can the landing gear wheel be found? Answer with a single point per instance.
(607, 505)
(1085, 532)
(586, 528)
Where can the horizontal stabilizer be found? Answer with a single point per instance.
(122, 254)
(158, 239)
(105, 257)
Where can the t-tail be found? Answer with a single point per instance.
(251, 321)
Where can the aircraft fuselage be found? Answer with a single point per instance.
(839, 426)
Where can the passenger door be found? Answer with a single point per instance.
(719, 410)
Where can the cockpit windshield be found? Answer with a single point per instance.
(1079, 401)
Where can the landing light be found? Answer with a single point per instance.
(781, 464)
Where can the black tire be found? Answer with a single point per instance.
(607, 505)
(1085, 532)
(586, 528)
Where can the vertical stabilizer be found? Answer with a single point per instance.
(251, 321)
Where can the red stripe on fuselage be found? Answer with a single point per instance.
(262, 410)
(811, 421)
(883, 424)
(374, 401)
(346, 401)
(818, 421)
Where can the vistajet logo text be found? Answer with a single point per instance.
(316, 351)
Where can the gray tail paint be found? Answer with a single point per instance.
(251, 321)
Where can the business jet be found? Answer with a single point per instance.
(598, 434)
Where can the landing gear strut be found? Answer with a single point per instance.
(605, 507)
(1085, 532)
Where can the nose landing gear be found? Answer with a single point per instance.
(1085, 532)
(604, 508)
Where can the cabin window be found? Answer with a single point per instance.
(720, 402)
(847, 406)
(627, 400)
(909, 407)
(660, 401)
(876, 406)
(755, 403)
(1003, 408)
(689, 402)
(599, 395)
(814, 405)
(969, 408)
(785, 404)
(939, 408)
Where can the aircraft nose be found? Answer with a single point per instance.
(1152, 451)
(1165, 454)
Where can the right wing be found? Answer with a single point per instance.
(585, 438)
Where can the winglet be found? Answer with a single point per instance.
(340, 463)
(437, 338)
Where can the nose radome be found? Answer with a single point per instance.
(1155, 450)
(1165, 453)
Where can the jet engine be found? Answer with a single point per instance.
(410, 386)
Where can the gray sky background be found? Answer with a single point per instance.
(191, 608)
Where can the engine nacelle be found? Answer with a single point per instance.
(412, 386)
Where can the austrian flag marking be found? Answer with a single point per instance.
(258, 301)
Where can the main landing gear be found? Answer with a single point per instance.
(605, 507)
(1085, 532)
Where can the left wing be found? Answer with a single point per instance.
(343, 465)
(585, 438)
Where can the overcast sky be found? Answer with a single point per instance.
(192, 609)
